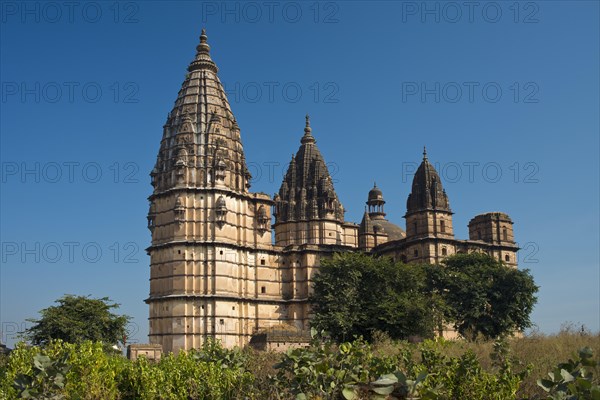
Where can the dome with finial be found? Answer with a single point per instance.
(375, 194)
(376, 215)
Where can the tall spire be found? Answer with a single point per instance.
(201, 133)
(203, 60)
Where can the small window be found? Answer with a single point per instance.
(444, 251)
(263, 289)
(479, 235)
(178, 251)
(416, 253)
(443, 226)
(507, 258)
(504, 234)
(415, 226)
(221, 252)
(330, 234)
(262, 262)
(233, 308)
(222, 321)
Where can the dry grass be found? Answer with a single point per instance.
(541, 352)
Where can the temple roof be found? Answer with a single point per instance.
(307, 189)
(366, 226)
(393, 231)
(201, 130)
(427, 191)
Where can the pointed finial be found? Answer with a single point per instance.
(307, 138)
(307, 128)
(374, 184)
(424, 153)
(203, 46)
(203, 60)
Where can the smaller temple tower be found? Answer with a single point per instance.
(428, 214)
(495, 229)
(375, 229)
(307, 208)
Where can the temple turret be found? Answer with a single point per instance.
(201, 144)
(375, 229)
(205, 224)
(307, 208)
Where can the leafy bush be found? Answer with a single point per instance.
(573, 379)
(85, 371)
(433, 369)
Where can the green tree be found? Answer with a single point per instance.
(484, 297)
(79, 318)
(356, 294)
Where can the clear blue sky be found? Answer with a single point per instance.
(505, 95)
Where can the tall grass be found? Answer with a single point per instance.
(538, 351)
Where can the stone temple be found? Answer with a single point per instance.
(220, 267)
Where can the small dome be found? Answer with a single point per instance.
(375, 193)
(393, 231)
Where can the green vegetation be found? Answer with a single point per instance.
(79, 318)
(534, 367)
(484, 297)
(356, 295)
(370, 306)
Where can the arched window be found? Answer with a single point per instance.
(416, 253)
(507, 258)
(444, 251)
(443, 226)
(504, 234)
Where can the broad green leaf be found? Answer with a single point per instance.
(385, 390)
(384, 380)
(545, 384)
(567, 377)
(349, 394)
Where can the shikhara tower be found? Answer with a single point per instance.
(218, 268)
